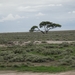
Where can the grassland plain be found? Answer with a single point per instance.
(26, 36)
(42, 57)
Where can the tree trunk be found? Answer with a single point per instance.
(43, 32)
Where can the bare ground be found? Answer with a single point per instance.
(30, 73)
(35, 42)
(59, 42)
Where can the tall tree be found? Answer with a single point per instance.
(46, 25)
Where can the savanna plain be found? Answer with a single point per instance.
(28, 53)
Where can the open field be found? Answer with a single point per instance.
(37, 52)
(37, 36)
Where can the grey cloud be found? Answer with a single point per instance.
(10, 17)
(60, 11)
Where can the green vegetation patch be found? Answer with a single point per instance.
(51, 69)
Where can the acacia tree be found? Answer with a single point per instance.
(46, 26)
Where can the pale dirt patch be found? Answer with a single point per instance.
(39, 42)
(2, 45)
(30, 73)
(58, 42)
(35, 42)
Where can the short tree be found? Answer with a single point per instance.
(46, 25)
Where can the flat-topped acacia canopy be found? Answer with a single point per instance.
(46, 25)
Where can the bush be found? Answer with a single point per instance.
(43, 42)
(73, 43)
(16, 65)
(69, 50)
(17, 59)
(65, 44)
(19, 51)
(49, 46)
(67, 60)
(1, 59)
(52, 52)
(35, 58)
(3, 53)
(2, 65)
(30, 44)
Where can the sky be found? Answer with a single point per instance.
(21, 15)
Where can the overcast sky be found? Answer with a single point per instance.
(21, 15)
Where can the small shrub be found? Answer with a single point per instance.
(69, 50)
(35, 58)
(52, 52)
(65, 44)
(43, 42)
(30, 44)
(67, 60)
(3, 53)
(2, 65)
(73, 43)
(16, 65)
(19, 51)
(49, 46)
(17, 59)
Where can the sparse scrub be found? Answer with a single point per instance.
(25, 57)
(52, 35)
